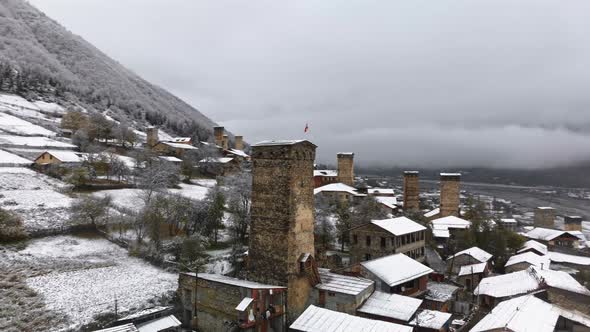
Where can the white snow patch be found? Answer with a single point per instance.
(12, 124)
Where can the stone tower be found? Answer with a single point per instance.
(411, 191)
(152, 136)
(225, 142)
(239, 143)
(572, 223)
(450, 194)
(218, 134)
(282, 212)
(346, 168)
(544, 217)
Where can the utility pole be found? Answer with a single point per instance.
(116, 307)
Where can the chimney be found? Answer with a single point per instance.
(152, 136)
(239, 142)
(573, 223)
(450, 194)
(218, 133)
(545, 217)
(225, 142)
(346, 168)
(411, 191)
(281, 233)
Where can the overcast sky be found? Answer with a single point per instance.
(410, 83)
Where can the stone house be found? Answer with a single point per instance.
(173, 149)
(473, 255)
(388, 307)
(397, 274)
(219, 166)
(341, 293)
(525, 260)
(60, 157)
(534, 247)
(439, 296)
(554, 238)
(322, 177)
(338, 193)
(470, 275)
(224, 302)
(381, 238)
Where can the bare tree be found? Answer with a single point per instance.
(90, 209)
(238, 194)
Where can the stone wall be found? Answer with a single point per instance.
(282, 218)
(346, 168)
(339, 301)
(393, 245)
(461, 260)
(569, 300)
(152, 136)
(449, 195)
(544, 217)
(411, 191)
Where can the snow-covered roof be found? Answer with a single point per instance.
(451, 222)
(441, 233)
(508, 221)
(545, 234)
(396, 269)
(475, 252)
(526, 313)
(545, 208)
(399, 226)
(380, 191)
(393, 306)
(181, 139)
(170, 159)
(7, 158)
(450, 174)
(338, 283)
(525, 281)
(325, 172)
(338, 187)
(159, 324)
(315, 319)
(565, 258)
(440, 292)
(473, 268)
(239, 153)
(65, 156)
(432, 213)
(180, 146)
(217, 160)
(431, 319)
(121, 328)
(346, 153)
(389, 201)
(145, 312)
(243, 305)
(532, 244)
(531, 258)
(281, 142)
(233, 281)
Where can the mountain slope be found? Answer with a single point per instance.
(41, 59)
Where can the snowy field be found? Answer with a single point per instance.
(34, 196)
(10, 159)
(34, 142)
(79, 278)
(14, 125)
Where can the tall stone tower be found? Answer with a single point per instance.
(239, 143)
(544, 217)
(346, 168)
(152, 136)
(218, 133)
(281, 234)
(572, 223)
(225, 142)
(411, 191)
(450, 194)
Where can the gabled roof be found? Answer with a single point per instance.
(432, 213)
(398, 226)
(338, 283)
(233, 281)
(531, 258)
(546, 234)
(439, 291)
(527, 313)
(451, 222)
(389, 201)
(431, 319)
(531, 279)
(315, 319)
(472, 269)
(565, 258)
(396, 269)
(382, 191)
(478, 254)
(65, 156)
(534, 245)
(170, 159)
(338, 187)
(282, 142)
(393, 306)
(239, 153)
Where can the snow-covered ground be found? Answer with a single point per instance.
(81, 277)
(34, 142)
(34, 196)
(12, 124)
(191, 191)
(49, 107)
(10, 159)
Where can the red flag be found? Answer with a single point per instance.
(306, 128)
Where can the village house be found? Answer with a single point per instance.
(431, 321)
(388, 307)
(173, 149)
(534, 247)
(578, 263)
(315, 319)
(470, 275)
(439, 296)
(473, 255)
(397, 274)
(509, 224)
(224, 302)
(341, 293)
(322, 177)
(388, 204)
(449, 226)
(556, 287)
(528, 313)
(338, 193)
(219, 166)
(381, 238)
(60, 157)
(554, 238)
(525, 260)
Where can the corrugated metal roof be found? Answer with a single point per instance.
(399, 226)
(121, 328)
(396, 269)
(159, 324)
(338, 283)
(394, 306)
(315, 319)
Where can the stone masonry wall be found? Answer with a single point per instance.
(346, 168)
(411, 191)
(449, 195)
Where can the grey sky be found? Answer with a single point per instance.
(498, 83)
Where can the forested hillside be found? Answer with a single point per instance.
(40, 59)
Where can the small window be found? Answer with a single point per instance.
(383, 242)
(368, 241)
(331, 294)
(355, 239)
(367, 257)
